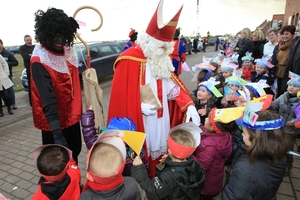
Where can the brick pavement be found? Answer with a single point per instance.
(18, 137)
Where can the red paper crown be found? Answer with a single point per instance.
(160, 31)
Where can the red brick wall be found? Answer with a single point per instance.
(292, 8)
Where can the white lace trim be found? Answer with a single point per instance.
(174, 93)
(156, 154)
(56, 62)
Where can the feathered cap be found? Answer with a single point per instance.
(294, 79)
(247, 57)
(203, 66)
(159, 30)
(132, 31)
(264, 61)
(226, 65)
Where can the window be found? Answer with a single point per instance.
(117, 49)
(106, 50)
(94, 52)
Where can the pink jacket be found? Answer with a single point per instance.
(211, 154)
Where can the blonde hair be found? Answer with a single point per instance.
(259, 35)
(247, 31)
(105, 159)
(183, 137)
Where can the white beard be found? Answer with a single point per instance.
(158, 58)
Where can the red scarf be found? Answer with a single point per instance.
(102, 187)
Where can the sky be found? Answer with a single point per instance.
(216, 16)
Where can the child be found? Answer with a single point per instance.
(258, 173)
(207, 92)
(247, 67)
(116, 123)
(215, 147)
(231, 95)
(105, 164)
(60, 175)
(227, 68)
(262, 73)
(285, 105)
(179, 176)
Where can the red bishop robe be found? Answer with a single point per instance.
(125, 99)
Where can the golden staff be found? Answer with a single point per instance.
(95, 29)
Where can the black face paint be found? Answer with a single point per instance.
(59, 40)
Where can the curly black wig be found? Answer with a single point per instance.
(54, 22)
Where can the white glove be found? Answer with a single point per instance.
(147, 109)
(192, 113)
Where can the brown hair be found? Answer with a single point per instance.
(288, 28)
(268, 145)
(52, 160)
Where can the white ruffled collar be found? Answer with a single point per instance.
(56, 62)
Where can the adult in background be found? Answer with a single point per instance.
(195, 44)
(245, 44)
(55, 85)
(287, 36)
(273, 41)
(11, 61)
(131, 43)
(149, 63)
(293, 63)
(259, 41)
(217, 43)
(5, 82)
(26, 51)
(178, 54)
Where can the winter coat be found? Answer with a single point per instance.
(174, 180)
(285, 106)
(282, 58)
(257, 181)
(246, 73)
(269, 80)
(4, 75)
(258, 49)
(211, 154)
(245, 45)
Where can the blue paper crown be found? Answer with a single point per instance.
(262, 125)
(262, 63)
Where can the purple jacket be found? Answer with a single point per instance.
(88, 128)
(211, 154)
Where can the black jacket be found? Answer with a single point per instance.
(257, 181)
(258, 49)
(244, 46)
(26, 52)
(174, 180)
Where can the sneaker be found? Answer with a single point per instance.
(14, 107)
(298, 149)
(9, 110)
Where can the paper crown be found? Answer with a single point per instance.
(235, 80)
(294, 79)
(181, 151)
(116, 138)
(234, 57)
(247, 57)
(225, 115)
(36, 153)
(203, 66)
(226, 65)
(131, 32)
(159, 30)
(264, 61)
(210, 86)
(258, 88)
(121, 123)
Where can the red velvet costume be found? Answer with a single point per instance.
(72, 190)
(125, 93)
(66, 86)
